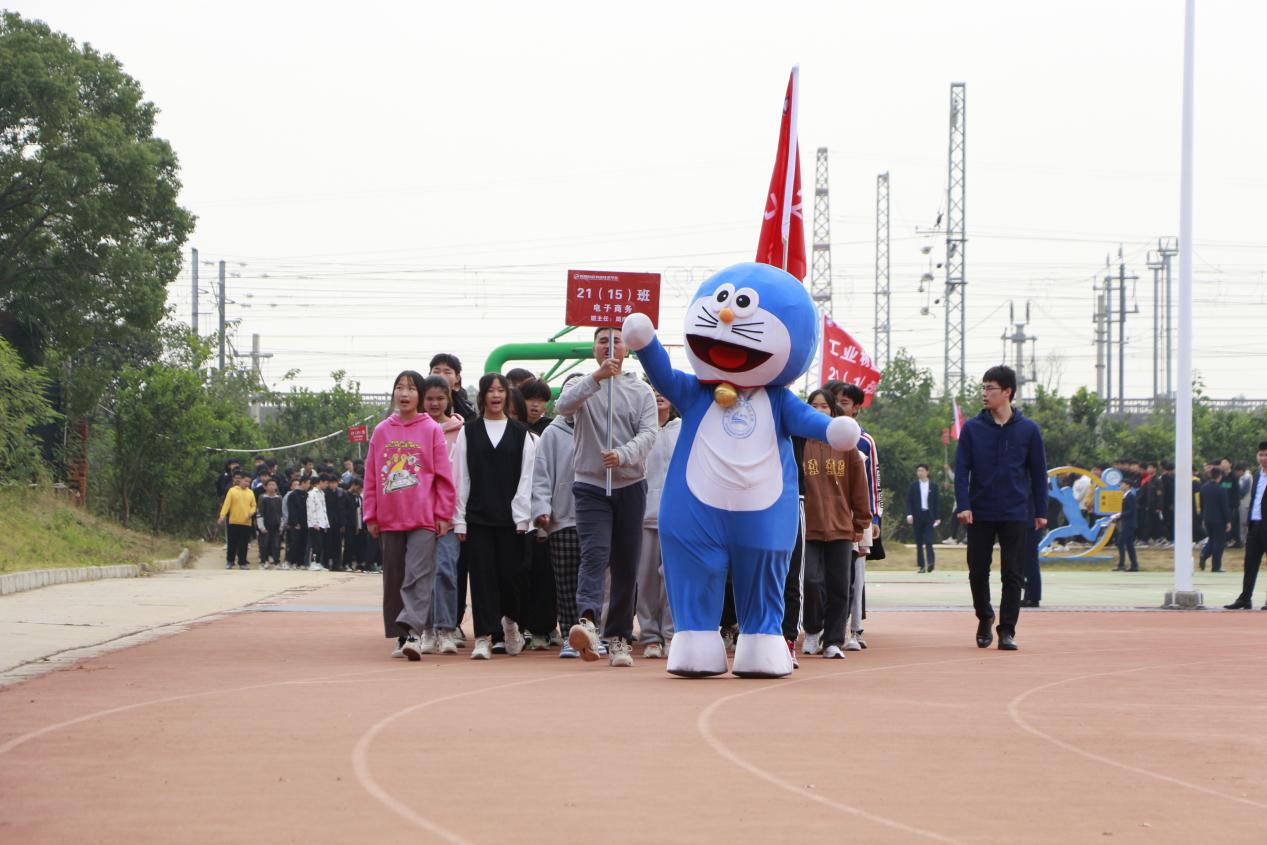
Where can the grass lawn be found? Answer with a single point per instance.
(42, 530)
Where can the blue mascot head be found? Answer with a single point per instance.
(751, 325)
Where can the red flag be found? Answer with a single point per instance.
(957, 426)
(782, 240)
(844, 359)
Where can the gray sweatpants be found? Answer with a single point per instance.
(655, 622)
(409, 573)
(858, 583)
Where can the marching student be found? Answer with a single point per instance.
(536, 395)
(269, 524)
(837, 514)
(407, 504)
(295, 506)
(493, 461)
(655, 621)
(554, 510)
(239, 507)
(923, 512)
(536, 580)
(318, 523)
(443, 614)
(850, 399)
(449, 367)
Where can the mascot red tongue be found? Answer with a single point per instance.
(730, 496)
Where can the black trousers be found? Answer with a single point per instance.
(1011, 537)
(239, 542)
(1215, 542)
(333, 555)
(833, 562)
(1033, 572)
(1255, 547)
(495, 556)
(792, 586)
(316, 545)
(270, 544)
(536, 586)
(296, 542)
(1126, 546)
(924, 555)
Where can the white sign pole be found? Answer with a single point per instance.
(611, 407)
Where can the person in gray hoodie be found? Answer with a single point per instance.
(554, 511)
(609, 526)
(655, 621)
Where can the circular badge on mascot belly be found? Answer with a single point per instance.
(740, 420)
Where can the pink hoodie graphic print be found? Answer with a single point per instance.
(409, 481)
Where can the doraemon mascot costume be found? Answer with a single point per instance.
(730, 496)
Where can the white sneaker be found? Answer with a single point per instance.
(483, 649)
(284, 566)
(857, 635)
(428, 642)
(538, 642)
(412, 649)
(514, 637)
(619, 653)
(398, 650)
(568, 652)
(583, 637)
(833, 652)
(653, 651)
(811, 643)
(851, 644)
(445, 643)
(555, 639)
(316, 567)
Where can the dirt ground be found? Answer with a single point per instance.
(288, 722)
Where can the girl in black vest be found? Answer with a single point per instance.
(492, 463)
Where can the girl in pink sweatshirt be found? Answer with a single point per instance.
(408, 502)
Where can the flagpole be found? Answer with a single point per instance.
(1184, 594)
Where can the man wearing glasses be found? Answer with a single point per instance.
(1000, 488)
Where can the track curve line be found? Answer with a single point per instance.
(1014, 711)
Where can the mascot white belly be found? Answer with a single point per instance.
(734, 462)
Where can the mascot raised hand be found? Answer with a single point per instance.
(730, 497)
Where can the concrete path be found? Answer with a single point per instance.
(56, 626)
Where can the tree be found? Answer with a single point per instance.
(90, 229)
(22, 407)
(306, 415)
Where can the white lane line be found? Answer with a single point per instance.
(361, 765)
(1014, 711)
(97, 714)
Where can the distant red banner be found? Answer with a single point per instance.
(605, 298)
(844, 359)
(358, 434)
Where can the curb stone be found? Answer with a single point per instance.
(18, 582)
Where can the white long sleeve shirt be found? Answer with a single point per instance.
(317, 517)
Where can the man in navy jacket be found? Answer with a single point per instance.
(1000, 488)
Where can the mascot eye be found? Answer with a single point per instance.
(724, 294)
(746, 302)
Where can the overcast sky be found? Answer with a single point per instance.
(388, 180)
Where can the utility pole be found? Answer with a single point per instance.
(193, 268)
(955, 378)
(1156, 264)
(820, 274)
(1119, 282)
(1097, 320)
(883, 349)
(222, 316)
(1169, 248)
(1108, 335)
(1018, 338)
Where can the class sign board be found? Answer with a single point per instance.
(604, 298)
(358, 434)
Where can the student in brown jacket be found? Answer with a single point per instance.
(837, 512)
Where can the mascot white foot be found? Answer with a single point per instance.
(730, 497)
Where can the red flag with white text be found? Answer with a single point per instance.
(844, 359)
(957, 426)
(782, 240)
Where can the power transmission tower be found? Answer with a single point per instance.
(956, 375)
(820, 277)
(222, 316)
(193, 268)
(883, 350)
(1168, 248)
(820, 273)
(1116, 285)
(1156, 264)
(1018, 338)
